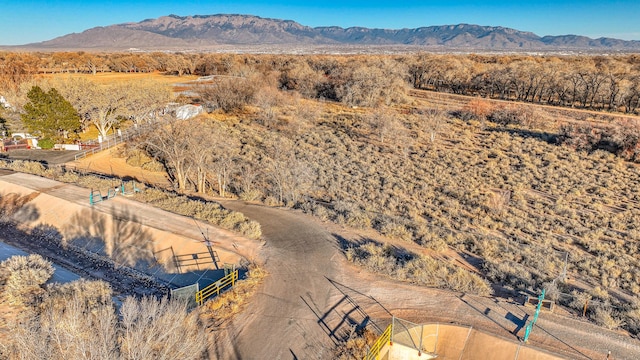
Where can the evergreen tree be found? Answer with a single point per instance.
(51, 115)
(4, 127)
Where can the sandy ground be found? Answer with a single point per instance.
(105, 163)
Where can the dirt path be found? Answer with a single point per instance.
(105, 163)
(291, 316)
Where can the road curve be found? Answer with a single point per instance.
(294, 314)
(313, 296)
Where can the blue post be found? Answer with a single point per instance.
(540, 298)
(527, 331)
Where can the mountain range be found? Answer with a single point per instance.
(211, 31)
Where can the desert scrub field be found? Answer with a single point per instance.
(418, 269)
(504, 194)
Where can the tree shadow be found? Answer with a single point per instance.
(121, 238)
(16, 208)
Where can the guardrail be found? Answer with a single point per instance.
(374, 351)
(216, 287)
(111, 141)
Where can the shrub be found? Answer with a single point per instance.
(423, 270)
(228, 94)
(46, 143)
(222, 308)
(22, 277)
(513, 115)
(204, 210)
(603, 316)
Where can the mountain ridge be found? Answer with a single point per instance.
(202, 31)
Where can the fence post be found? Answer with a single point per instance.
(393, 322)
(435, 346)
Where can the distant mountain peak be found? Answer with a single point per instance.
(202, 31)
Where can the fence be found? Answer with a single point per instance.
(374, 351)
(112, 140)
(216, 287)
(403, 339)
(197, 259)
(186, 293)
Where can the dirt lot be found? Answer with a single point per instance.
(47, 157)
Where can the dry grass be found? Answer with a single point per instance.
(79, 320)
(114, 77)
(505, 194)
(356, 346)
(220, 309)
(421, 270)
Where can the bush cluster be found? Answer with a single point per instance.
(201, 209)
(79, 320)
(621, 138)
(421, 270)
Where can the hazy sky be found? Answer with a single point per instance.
(26, 21)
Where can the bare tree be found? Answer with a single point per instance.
(288, 173)
(432, 122)
(228, 93)
(225, 151)
(384, 124)
(145, 99)
(101, 105)
(170, 143)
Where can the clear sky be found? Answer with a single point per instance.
(27, 21)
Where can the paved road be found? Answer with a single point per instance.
(48, 157)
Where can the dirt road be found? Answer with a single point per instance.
(292, 315)
(312, 297)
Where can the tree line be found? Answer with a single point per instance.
(609, 83)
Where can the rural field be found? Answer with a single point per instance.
(433, 188)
